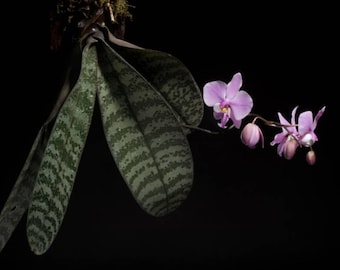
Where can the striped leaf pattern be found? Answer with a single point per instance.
(61, 158)
(21, 193)
(171, 78)
(144, 135)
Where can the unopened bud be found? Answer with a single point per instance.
(311, 157)
(289, 148)
(251, 134)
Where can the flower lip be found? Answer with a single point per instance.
(307, 140)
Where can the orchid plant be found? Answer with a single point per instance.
(229, 102)
(149, 101)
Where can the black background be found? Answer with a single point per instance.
(247, 208)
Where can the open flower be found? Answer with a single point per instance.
(293, 135)
(228, 101)
(284, 139)
(307, 125)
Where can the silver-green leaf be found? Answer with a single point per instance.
(61, 158)
(21, 193)
(144, 135)
(171, 78)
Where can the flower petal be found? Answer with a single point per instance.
(237, 122)
(293, 116)
(241, 105)
(234, 85)
(214, 92)
(305, 122)
(280, 148)
(279, 138)
(283, 121)
(318, 115)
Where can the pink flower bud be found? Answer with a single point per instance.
(289, 148)
(311, 157)
(251, 134)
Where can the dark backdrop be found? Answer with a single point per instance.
(246, 207)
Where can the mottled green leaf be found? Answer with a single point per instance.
(167, 74)
(145, 137)
(21, 193)
(171, 78)
(61, 158)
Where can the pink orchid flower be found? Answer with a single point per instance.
(307, 125)
(286, 137)
(228, 101)
(293, 135)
